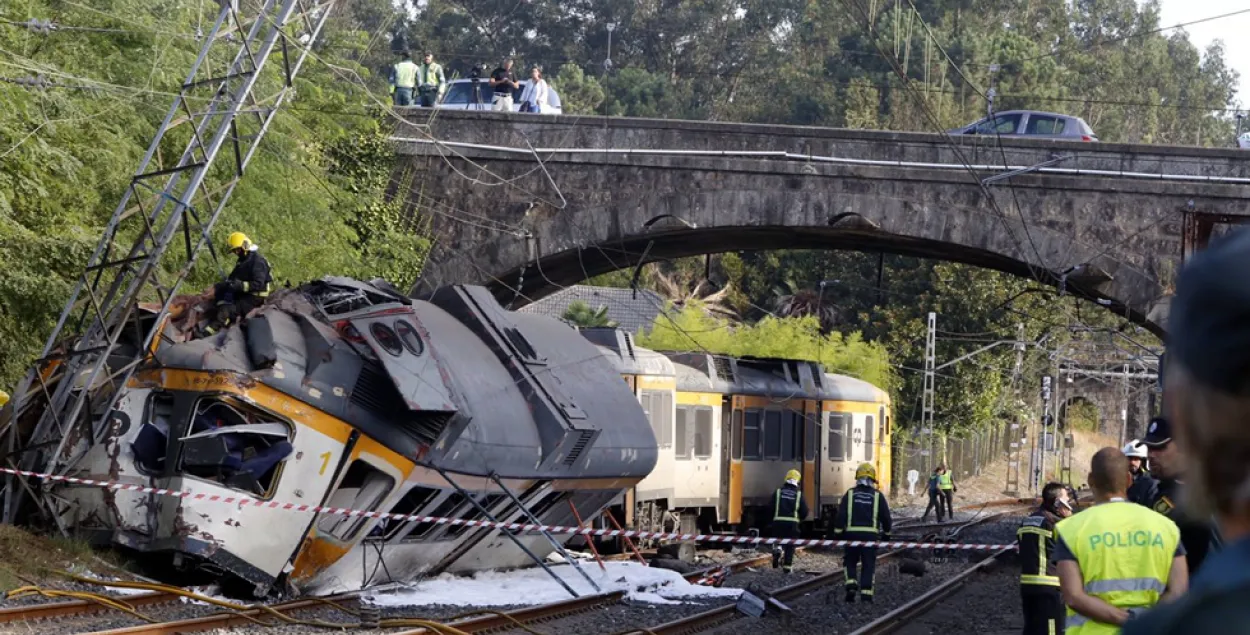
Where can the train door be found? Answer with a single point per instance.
(733, 476)
(811, 455)
(726, 440)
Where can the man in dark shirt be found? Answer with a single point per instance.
(1039, 583)
(503, 84)
(1167, 495)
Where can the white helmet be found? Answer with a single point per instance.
(1135, 450)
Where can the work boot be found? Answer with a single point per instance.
(788, 569)
(865, 598)
(851, 592)
(776, 559)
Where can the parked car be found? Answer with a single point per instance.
(1243, 141)
(1031, 123)
(459, 96)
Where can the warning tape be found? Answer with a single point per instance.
(243, 501)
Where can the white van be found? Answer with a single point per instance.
(459, 96)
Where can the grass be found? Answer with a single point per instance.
(25, 556)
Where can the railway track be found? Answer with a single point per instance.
(900, 617)
(76, 608)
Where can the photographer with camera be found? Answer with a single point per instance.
(502, 81)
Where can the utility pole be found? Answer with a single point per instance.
(607, 62)
(926, 411)
(1046, 416)
(1016, 440)
(1124, 413)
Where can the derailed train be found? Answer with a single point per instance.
(729, 429)
(348, 394)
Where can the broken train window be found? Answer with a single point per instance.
(237, 445)
(364, 487)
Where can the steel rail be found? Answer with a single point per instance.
(894, 620)
(71, 608)
(225, 619)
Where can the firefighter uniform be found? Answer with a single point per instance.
(789, 509)
(249, 283)
(863, 514)
(1039, 584)
(1125, 552)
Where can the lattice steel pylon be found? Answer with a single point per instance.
(928, 395)
(102, 337)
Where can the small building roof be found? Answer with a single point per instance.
(628, 312)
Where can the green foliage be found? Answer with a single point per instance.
(793, 338)
(579, 93)
(580, 314)
(1081, 415)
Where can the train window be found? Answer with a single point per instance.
(364, 487)
(868, 444)
(681, 446)
(838, 435)
(883, 424)
(445, 508)
(412, 503)
(772, 434)
(809, 437)
(471, 513)
(151, 444)
(787, 437)
(659, 407)
(796, 436)
(751, 436)
(235, 445)
(736, 436)
(703, 432)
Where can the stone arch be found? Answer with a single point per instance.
(1078, 406)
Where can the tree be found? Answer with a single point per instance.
(580, 314)
(579, 93)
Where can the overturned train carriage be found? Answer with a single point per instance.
(347, 394)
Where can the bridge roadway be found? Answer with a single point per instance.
(531, 203)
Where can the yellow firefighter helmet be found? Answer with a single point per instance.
(793, 475)
(866, 470)
(239, 240)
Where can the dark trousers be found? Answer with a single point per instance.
(948, 497)
(858, 577)
(1044, 612)
(403, 96)
(427, 96)
(784, 529)
(935, 502)
(231, 310)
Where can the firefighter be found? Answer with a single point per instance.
(1143, 482)
(1116, 558)
(863, 514)
(246, 287)
(1039, 584)
(789, 509)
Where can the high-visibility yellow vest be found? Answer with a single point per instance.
(944, 481)
(431, 75)
(406, 74)
(1125, 551)
(4, 398)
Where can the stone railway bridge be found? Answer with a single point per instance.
(528, 204)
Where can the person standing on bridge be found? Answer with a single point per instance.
(1116, 558)
(863, 514)
(1039, 583)
(432, 82)
(789, 509)
(534, 97)
(502, 81)
(404, 80)
(1206, 393)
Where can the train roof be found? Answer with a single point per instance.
(618, 346)
(844, 388)
(768, 377)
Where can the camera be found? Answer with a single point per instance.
(475, 73)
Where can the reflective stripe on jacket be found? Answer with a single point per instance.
(788, 505)
(432, 75)
(1036, 540)
(863, 510)
(1125, 552)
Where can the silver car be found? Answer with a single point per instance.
(1031, 123)
(461, 95)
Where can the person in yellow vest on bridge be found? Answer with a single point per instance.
(1117, 558)
(431, 82)
(404, 80)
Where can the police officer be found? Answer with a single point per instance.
(946, 490)
(789, 509)
(1167, 491)
(404, 80)
(1115, 557)
(1206, 393)
(863, 514)
(249, 283)
(1143, 482)
(1039, 585)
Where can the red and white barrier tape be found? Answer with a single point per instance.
(242, 501)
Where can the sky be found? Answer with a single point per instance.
(1234, 31)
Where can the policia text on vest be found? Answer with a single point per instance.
(1127, 556)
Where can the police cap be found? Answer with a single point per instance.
(1209, 321)
(1158, 433)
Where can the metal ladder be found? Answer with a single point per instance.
(104, 302)
(554, 543)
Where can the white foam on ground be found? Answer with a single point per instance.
(531, 587)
